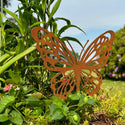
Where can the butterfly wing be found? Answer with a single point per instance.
(53, 51)
(91, 81)
(97, 53)
(95, 57)
(63, 84)
(56, 57)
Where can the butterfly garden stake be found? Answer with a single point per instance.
(73, 73)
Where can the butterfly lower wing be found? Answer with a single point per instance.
(53, 51)
(91, 81)
(63, 84)
(97, 53)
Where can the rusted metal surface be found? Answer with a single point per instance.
(73, 73)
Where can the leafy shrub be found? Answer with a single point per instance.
(28, 105)
(115, 67)
(112, 107)
(24, 104)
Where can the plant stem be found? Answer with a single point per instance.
(17, 57)
(0, 42)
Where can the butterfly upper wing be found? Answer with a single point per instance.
(95, 57)
(96, 54)
(53, 51)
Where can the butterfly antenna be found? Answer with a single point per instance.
(72, 49)
(83, 49)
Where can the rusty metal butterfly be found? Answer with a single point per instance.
(72, 72)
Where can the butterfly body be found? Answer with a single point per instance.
(73, 73)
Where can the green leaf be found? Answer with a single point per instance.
(81, 101)
(16, 118)
(13, 15)
(35, 24)
(91, 101)
(4, 57)
(3, 117)
(6, 101)
(55, 8)
(54, 28)
(72, 39)
(52, 108)
(40, 11)
(15, 78)
(20, 24)
(66, 27)
(49, 4)
(12, 92)
(64, 19)
(73, 97)
(58, 101)
(15, 27)
(44, 5)
(33, 101)
(37, 111)
(74, 118)
(1, 79)
(56, 113)
(65, 110)
(20, 47)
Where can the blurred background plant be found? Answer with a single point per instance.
(115, 67)
(112, 108)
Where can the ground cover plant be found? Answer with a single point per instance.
(114, 86)
(25, 94)
(27, 106)
(23, 104)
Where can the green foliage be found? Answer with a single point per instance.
(9, 115)
(113, 107)
(24, 104)
(16, 118)
(74, 117)
(25, 94)
(19, 49)
(115, 67)
(7, 100)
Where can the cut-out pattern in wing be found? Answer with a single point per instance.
(63, 84)
(91, 81)
(53, 51)
(97, 52)
(73, 73)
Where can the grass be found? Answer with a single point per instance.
(114, 86)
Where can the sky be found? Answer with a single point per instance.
(92, 16)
